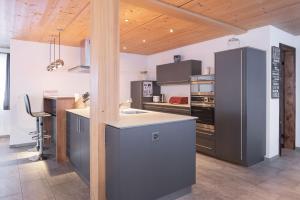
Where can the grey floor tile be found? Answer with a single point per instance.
(9, 186)
(37, 190)
(13, 197)
(69, 191)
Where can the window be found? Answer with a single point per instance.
(4, 81)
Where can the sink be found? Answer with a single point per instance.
(130, 111)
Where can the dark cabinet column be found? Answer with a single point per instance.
(228, 111)
(240, 112)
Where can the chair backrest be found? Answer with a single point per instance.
(27, 104)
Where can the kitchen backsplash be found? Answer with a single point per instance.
(176, 90)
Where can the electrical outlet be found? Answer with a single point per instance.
(155, 136)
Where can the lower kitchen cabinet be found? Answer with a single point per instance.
(78, 144)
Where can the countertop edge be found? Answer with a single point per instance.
(58, 97)
(187, 106)
(150, 124)
(78, 113)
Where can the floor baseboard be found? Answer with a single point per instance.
(272, 158)
(177, 194)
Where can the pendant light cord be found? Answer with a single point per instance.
(59, 44)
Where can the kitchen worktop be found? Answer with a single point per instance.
(84, 112)
(58, 97)
(135, 120)
(147, 118)
(168, 104)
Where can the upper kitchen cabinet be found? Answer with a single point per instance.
(178, 73)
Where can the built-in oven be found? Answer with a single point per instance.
(203, 107)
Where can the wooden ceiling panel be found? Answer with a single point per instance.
(247, 14)
(36, 20)
(132, 17)
(177, 3)
(144, 39)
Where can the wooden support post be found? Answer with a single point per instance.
(104, 85)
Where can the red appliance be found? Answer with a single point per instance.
(179, 100)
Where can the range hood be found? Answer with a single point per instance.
(85, 58)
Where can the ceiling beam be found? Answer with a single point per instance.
(181, 13)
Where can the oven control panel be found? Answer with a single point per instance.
(203, 100)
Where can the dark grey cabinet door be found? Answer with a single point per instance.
(175, 72)
(136, 92)
(85, 147)
(229, 105)
(178, 72)
(74, 140)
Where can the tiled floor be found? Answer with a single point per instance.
(278, 179)
(21, 179)
(216, 180)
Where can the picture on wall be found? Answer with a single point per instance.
(148, 89)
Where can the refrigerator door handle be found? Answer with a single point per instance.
(241, 105)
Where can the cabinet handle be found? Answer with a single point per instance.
(209, 148)
(203, 133)
(241, 104)
(79, 127)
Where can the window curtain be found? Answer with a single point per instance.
(6, 104)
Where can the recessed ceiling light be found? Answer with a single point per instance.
(171, 30)
(144, 41)
(124, 48)
(126, 20)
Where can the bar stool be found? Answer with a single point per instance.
(37, 135)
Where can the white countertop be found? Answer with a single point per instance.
(84, 112)
(168, 104)
(58, 97)
(136, 120)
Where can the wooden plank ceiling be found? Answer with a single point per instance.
(143, 31)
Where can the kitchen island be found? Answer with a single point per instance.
(149, 155)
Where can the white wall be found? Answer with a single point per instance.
(130, 67)
(261, 38)
(29, 75)
(4, 114)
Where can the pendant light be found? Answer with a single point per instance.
(59, 62)
(51, 66)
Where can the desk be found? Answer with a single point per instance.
(56, 125)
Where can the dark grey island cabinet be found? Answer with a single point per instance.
(150, 162)
(78, 144)
(240, 100)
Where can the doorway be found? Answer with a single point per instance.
(287, 100)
